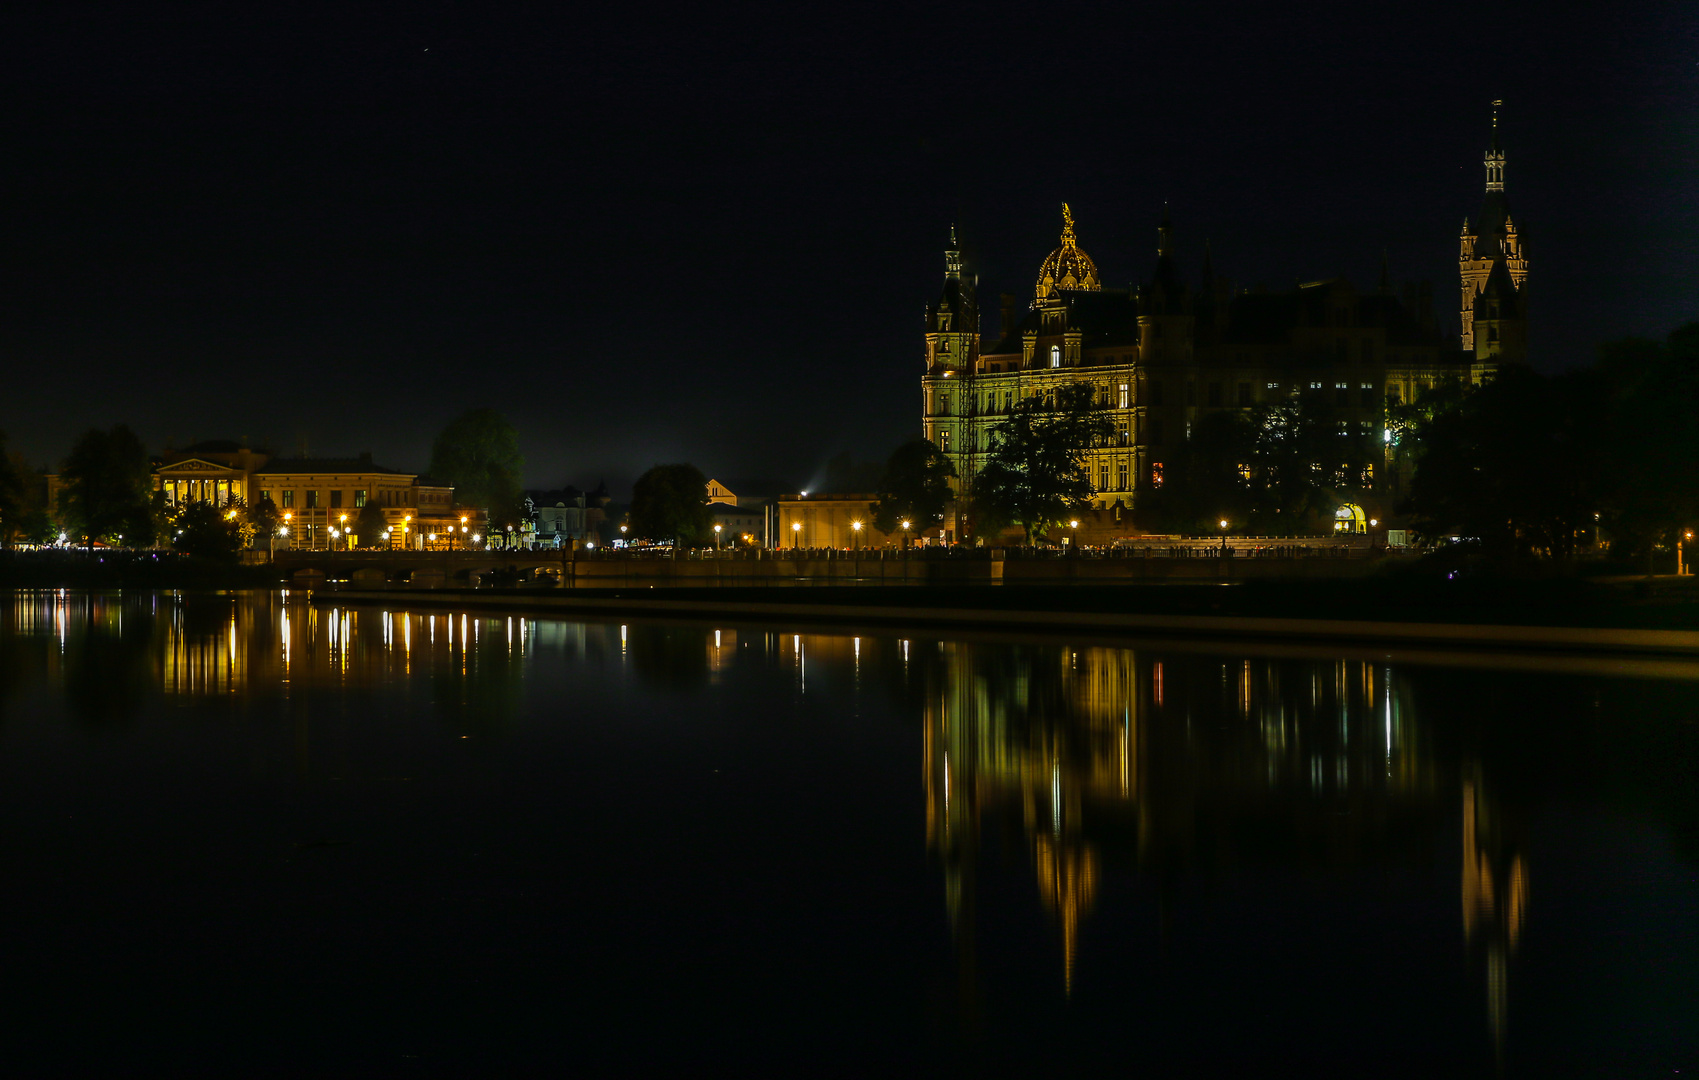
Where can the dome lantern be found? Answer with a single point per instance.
(1067, 267)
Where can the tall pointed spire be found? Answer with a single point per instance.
(1495, 156)
(1163, 247)
(953, 257)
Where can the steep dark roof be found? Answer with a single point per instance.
(1270, 318)
(568, 495)
(1489, 227)
(1102, 317)
(1502, 288)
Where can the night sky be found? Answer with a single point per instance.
(653, 232)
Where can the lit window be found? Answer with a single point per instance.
(1125, 396)
(360, 497)
(1055, 356)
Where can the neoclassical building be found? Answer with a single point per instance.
(1166, 353)
(313, 495)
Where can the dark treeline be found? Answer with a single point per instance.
(1528, 465)
(1533, 464)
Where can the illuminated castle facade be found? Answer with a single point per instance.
(1164, 354)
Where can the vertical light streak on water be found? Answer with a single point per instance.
(1056, 799)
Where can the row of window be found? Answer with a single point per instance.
(1121, 396)
(285, 499)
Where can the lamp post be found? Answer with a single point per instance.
(1680, 562)
(855, 535)
(717, 528)
(406, 520)
(796, 535)
(1074, 535)
(905, 525)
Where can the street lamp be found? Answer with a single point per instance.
(855, 533)
(905, 526)
(717, 529)
(796, 535)
(343, 518)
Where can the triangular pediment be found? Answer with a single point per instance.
(195, 465)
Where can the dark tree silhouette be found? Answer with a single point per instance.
(914, 488)
(1035, 474)
(104, 493)
(669, 502)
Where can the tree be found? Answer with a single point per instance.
(369, 525)
(1035, 474)
(105, 482)
(1649, 450)
(1514, 465)
(670, 502)
(13, 496)
(1208, 479)
(915, 487)
(264, 519)
(209, 531)
(478, 454)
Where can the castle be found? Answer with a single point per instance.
(1165, 354)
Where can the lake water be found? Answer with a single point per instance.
(245, 834)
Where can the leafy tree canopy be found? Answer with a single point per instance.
(104, 488)
(479, 454)
(1035, 474)
(13, 495)
(669, 502)
(212, 532)
(369, 525)
(915, 487)
(1513, 463)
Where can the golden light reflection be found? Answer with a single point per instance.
(1071, 745)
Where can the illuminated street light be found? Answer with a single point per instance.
(717, 528)
(796, 532)
(1223, 523)
(855, 532)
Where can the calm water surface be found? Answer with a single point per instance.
(244, 834)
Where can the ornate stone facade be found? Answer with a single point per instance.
(1164, 354)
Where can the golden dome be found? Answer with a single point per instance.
(1067, 267)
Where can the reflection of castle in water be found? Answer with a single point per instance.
(1105, 761)
(1168, 766)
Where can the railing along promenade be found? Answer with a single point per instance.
(1177, 558)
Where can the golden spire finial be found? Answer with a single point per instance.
(1067, 226)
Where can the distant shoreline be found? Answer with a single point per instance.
(1668, 629)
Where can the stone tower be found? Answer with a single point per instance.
(1493, 269)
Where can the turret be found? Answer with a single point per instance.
(1493, 244)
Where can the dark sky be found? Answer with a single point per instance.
(651, 233)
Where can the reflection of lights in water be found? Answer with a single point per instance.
(716, 639)
(1156, 682)
(622, 639)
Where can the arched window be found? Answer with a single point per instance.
(1055, 356)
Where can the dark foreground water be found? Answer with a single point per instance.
(240, 834)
